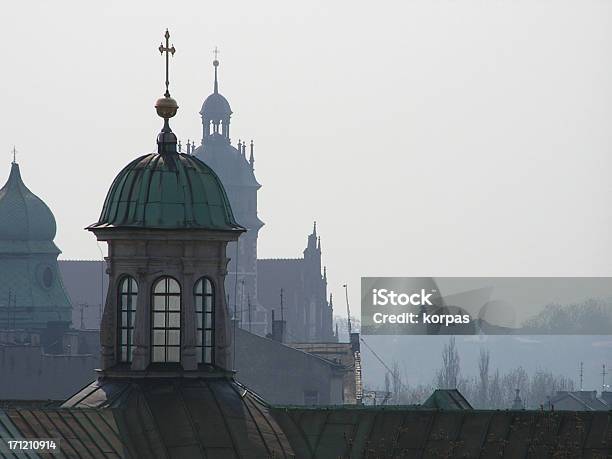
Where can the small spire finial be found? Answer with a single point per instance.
(14, 151)
(216, 64)
(168, 50)
(166, 106)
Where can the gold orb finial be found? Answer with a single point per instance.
(166, 107)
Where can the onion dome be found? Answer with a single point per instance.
(216, 107)
(23, 215)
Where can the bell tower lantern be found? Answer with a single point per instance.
(167, 221)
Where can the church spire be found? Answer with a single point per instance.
(216, 112)
(216, 64)
(252, 157)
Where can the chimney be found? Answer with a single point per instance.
(278, 329)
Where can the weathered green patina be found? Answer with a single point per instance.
(24, 217)
(167, 191)
(31, 289)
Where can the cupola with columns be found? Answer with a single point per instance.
(216, 112)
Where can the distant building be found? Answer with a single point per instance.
(31, 291)
(448, 400)
(582, 400)
(348, 356)
(306, 308)
(237, 173)
(284, 374)
(40, 355)
(253, 286)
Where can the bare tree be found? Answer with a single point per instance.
(496, 396)
(448, 375)
(483, 378)
(387, 383)
(514, 379)
(397, 382)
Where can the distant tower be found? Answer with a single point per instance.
(318, 312)
(238, 177)
(216, 114)
(32, 295)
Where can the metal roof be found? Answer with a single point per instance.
(81, 433)
(174, 191)
(185, 417)
(418, 433)
(192, 428)
(447, 399)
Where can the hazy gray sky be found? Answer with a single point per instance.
(425, 137)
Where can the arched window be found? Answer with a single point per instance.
(126, 302)
(166, 321)
(205, 320)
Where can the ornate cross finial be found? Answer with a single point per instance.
(14, 151)
(168, 50)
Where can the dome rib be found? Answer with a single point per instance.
(249, 402)
(190, 205)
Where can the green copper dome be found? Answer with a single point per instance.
(31, 290)
(167, 190)
(23, 215)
